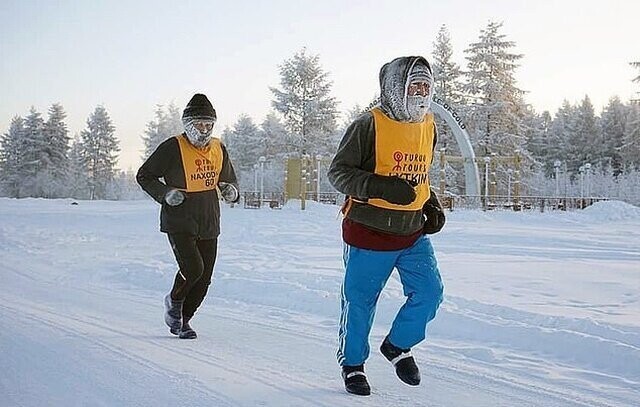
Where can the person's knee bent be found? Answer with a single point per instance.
(429, 297)
(195, 272)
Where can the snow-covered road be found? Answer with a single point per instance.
(540, 310)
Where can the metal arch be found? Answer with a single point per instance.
(471, 175)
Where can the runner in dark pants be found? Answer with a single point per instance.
(195, 168)
(196, 259)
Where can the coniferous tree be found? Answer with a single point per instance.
(637, 78)
(173, 123)
(305, 103)
(35, 156)
(277, 139)
(612, 129)
(447, 73)
(245, 143)
(352, 114)
(167, 123)
(496, 112)
(77, 186)
(100, 152)
(11, 156)
(630, 150)
(636, 65)
(583, 145)
(538, 137)
(56, 134)
(125, 187)
(495, 102)
(551, 147)
(448, 86)
(562, 129)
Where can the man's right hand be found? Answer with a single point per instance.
(174, 197)
(395, 190)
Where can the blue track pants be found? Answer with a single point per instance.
(366, 273)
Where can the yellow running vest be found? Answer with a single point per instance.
(201, 166)
(404, 150)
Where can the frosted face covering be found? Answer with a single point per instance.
(199, 132)
(203, 126)
(418, 100)
(419, 92)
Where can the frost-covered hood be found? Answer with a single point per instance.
(394, 81)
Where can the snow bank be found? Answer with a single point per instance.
(611, 211)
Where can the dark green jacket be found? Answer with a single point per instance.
(351, 172)
(199, 214)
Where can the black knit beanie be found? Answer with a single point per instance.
(199, 107)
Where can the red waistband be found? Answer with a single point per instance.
(358, 235)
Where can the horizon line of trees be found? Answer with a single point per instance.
(39, 159)
(304, 120)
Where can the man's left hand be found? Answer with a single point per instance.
(229, 192)
(434, 214)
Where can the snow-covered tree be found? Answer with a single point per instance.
(77, 174)
(167, 123)
(35, 155)
(245, 143)
(583, 145)
(447, 86)
(99, 152)
(495, 102)
(11, 156)
(305, 103)
(277, 138)
(562, 129)
(447, 74)
(351, 115)
(613, 121)
(538, 135)
(637, 78)
(496, 114)
(124, 186)
(53, 178)
(630, 150)
(35, 158)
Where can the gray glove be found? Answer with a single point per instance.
(174, 197)
(229, 192)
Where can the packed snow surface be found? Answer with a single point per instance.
(541, 309)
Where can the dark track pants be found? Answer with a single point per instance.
(195, 258)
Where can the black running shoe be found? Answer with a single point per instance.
(403, 361)
(355, 381)
(186, 332)
(173, 314)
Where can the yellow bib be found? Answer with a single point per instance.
(404, 150)
(201, 167)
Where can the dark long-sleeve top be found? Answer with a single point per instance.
(199, 214)
(351, 172)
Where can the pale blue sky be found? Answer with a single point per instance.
(131, 55)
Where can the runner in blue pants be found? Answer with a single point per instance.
(382, 166)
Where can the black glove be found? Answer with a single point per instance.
(434, 215)
(395, 190)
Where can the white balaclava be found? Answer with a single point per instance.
(395, 77)
(198, 109)
(418, 106)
